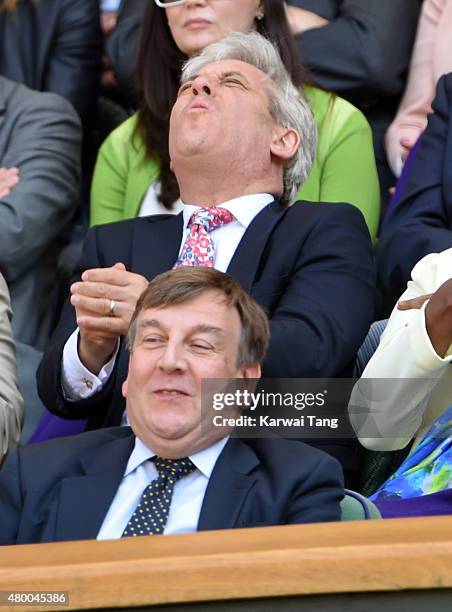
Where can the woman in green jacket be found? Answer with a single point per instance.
(132, 175)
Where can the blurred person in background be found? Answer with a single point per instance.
(40, 141)
(432, 57)
(55, 46)
(361, 50)
(11, 403)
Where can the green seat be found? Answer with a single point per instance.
(356, 507)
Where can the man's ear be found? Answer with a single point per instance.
(251, 371)
(285, 143)
(125, 385)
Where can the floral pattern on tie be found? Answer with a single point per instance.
(198, 249)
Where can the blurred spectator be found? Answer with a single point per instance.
(108, 15)
(421, 223)
(53, 45)
(133, 174)
(405, 392)
(432, 57)
(40, 138)
(360, 49)
(11, 404)
(108, 18)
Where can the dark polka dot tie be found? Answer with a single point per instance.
(151, 514)
(198, 249)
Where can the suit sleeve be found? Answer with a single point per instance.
(328, 305)
(317, 498)
(45, 146)
(49, 371)
(365, 51)
(11, 500)
(75, 62)
(11, 402)
(421, 222)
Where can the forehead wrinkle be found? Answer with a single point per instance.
(200, 327)
(145, 323)
(209, 329)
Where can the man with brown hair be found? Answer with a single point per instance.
(173, 470)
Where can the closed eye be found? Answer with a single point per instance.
(201, 346)
(184, 88)
(153, 340)
(231, 81)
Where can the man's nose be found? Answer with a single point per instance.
(189, 3)
(172, 359)
(202, 85)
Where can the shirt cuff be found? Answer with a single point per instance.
(422, 347)
(77, 382)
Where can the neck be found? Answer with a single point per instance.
(213, 186)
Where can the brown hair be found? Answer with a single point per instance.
(186, 284)
(8, 5)
(158, 74)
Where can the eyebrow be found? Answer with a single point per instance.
(201, 328)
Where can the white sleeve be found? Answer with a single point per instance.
(386, 414)
(78, 382)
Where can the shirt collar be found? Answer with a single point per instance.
(204, 460)
(244, 208)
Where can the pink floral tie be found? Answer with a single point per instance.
(198, 249)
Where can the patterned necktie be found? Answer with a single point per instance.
(198, 249)
(151, 514)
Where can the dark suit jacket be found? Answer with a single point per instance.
(364, 53)
(421, 223)
(309, 266)
(54, 45)
(62, 489)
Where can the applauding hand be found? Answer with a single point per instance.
(104, 302)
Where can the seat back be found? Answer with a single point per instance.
(356, 507)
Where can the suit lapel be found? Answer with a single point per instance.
(85, 500)
(2, 104)
(156, 245)
(229, 484)
(245, 262)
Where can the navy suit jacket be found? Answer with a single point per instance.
(309, 266)
(421, 223)
(62, 489)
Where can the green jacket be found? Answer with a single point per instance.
(344, 169)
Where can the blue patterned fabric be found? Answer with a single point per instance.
(151, 514)
(427, 470)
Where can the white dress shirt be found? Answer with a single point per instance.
(406, 408)
(187, 497)
(77, 381)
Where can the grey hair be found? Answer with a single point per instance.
(288, 107)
